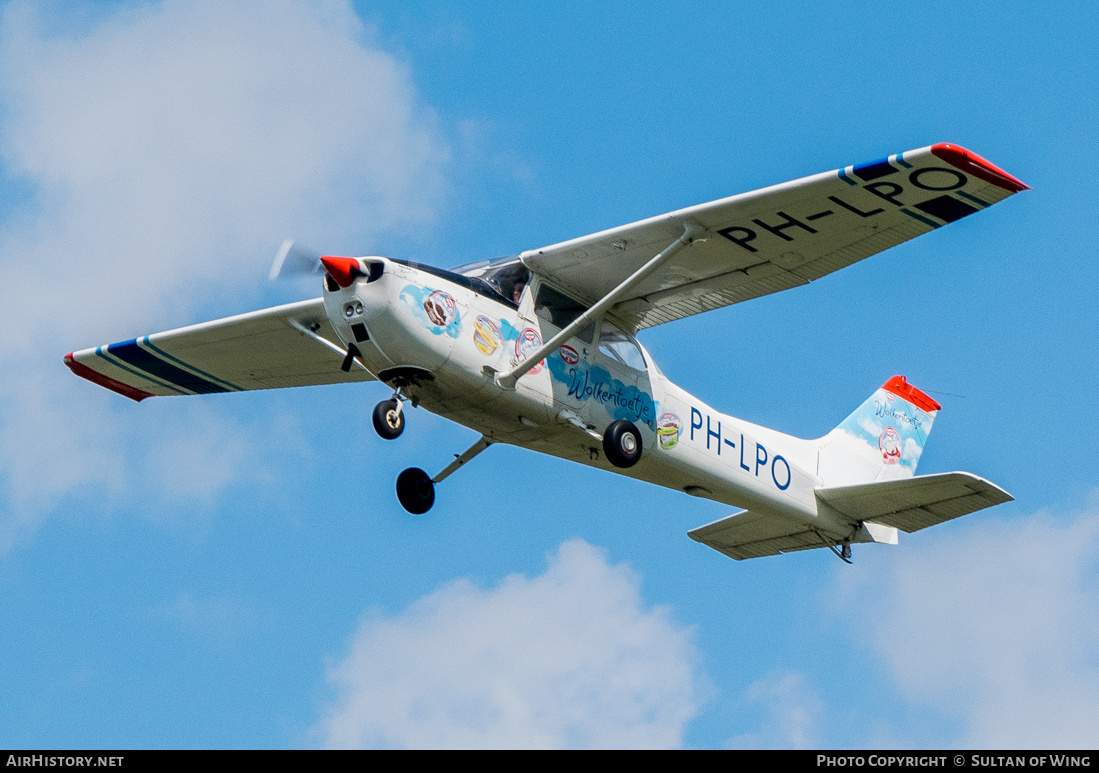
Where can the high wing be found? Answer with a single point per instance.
(908, 504)
(774, 238)
(260, 350)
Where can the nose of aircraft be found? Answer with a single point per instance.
(343, 270)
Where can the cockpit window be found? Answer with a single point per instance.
(618, 346)
(559, 309)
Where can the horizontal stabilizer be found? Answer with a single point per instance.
(750, 534)
(915, 503)
(875, 512)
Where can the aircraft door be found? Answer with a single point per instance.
(627, 392)
(601, 378)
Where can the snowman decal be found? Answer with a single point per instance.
(889, 443)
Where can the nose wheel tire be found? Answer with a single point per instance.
(415, 491)
(622, 443)
(388, 421)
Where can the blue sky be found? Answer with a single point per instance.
(235, 571)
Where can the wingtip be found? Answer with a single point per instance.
(135, 394)
(970, 162)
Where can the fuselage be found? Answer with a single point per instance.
(445, 342)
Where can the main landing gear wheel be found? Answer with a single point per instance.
(415, 491)
(388, 419)
(622, 443)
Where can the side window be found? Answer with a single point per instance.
(560, 310)
(615, 344)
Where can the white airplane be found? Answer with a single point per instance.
(538, 350)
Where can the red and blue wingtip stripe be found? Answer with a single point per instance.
(105, 381)
(133, 354)
(155, 369)
(971, 163)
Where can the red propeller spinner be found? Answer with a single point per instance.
(343, 270)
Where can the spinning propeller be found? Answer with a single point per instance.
(295, 260)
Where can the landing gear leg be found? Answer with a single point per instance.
(843, 551)
(416, 491)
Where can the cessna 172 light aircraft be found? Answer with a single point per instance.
(538, 350)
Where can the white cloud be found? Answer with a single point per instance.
(176, 145)
(571, 658)
(793, 714)
(993, 623)
(168, 148)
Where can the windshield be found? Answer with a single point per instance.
(507, 276)
(474, 283)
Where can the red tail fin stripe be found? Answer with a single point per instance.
(970, 162)
(105, 381)
(899, 386)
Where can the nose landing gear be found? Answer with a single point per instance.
(388, 418)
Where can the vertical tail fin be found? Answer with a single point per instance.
(881, 440)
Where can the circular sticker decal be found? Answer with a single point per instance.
(486, 335)
(668, 430)
(569, 355)
(527, 344)
(889, 443)
(440, 308)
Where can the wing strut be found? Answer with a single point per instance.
(350, 356)
(691, 233)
